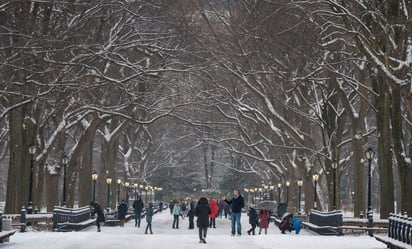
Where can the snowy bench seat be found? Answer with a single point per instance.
(325, 223)
(392, 243)
(5, 235)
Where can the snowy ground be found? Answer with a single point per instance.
(165, 237)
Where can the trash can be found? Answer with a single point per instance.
(6, 226)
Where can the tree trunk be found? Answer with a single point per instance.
(384, 154)
(19, 165)
(404, 169)
(81, 167)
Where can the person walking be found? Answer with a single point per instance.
(149, 218)
(263, 220)
(97, 209)
(138, 206)
(191, 215)
(177, 211)
(122, 212)
(237, 203)
(214, 207)
(202, 212)
(252, 219)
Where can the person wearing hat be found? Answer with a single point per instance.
(252, 218)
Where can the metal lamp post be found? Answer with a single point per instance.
(279, 191)
(334, 167)
(118, 190)
(135, 185)
(94, 178)
(126, 185)
(32, 152)
(315, 179)
(146, 188)
(108, 182)
(272, 188)
(300, 183)
(65, 161)
(370, 154)
(287, 191)
(247, 194)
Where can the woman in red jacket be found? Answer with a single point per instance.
(264, 220)
(214, 207)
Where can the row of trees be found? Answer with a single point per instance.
(184, 94)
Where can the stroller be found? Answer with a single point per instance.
(287, 223)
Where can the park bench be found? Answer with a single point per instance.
(399, 232)
(5, 235)
(325, 223)
(71, 219)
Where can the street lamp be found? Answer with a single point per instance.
(146, 188)
(127, 184)
(279, 190)
(266, 192)
(118, 190)
(287, 191)
(32, 151)
(94, 178)
(272, 189)
(108, 181)
(300, 183)
(315, 179)
(334, 167)
(370, 154)
(135, 185)
(65, 161)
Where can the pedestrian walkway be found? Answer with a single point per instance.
(164, 237)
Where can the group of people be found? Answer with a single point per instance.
(206, 213)
(122, 209)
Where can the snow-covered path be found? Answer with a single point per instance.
(165, 237)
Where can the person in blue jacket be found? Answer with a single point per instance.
(296, 224)
(236, 203)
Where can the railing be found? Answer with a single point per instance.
(326, 223)
(70, 217)
(400, 228)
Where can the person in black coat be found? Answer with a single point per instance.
(122, 212)
(252, 219)
(236, 204)
(99, 212)
(138, 208)
(202, 212)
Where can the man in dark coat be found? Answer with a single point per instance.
(236, 203)
(122, 212)
(202, 212)
(99, 212)
(138, 208)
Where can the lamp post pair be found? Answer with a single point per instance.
(287, 184)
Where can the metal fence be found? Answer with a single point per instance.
(64, 216)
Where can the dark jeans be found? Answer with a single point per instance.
(202, 232)
(212, 223)
(137, 218)
(149, 226)
(252, 230)
(175, 221)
